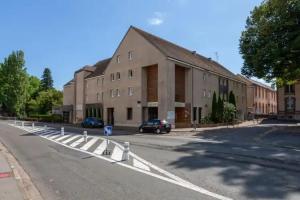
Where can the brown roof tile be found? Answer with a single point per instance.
(100, 67)
(174, 51)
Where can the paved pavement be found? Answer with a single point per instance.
(9, 189)
(240, 163)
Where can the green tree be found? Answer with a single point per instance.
(220, 110)
(229, 112)
(33, 91)
(13, 84)
(46, 100)
(214, 108)
(46, 81)
(232, 98)
(270, 45)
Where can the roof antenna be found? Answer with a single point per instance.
(217, 56)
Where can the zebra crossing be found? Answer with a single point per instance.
(96, 146)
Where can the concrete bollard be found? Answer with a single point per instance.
(85, 136)
(45, 126)
(126, 151)
(62, 131)
(22, 124)
(32, 125)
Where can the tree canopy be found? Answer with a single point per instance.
(270, 45)
(46, 81)
(13, 84)
(22, 94)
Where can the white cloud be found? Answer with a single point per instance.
(157, 19)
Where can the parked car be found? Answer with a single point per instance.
(92, 122)
(155, 125)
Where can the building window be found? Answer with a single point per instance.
(209, 94)
(118, 58)
(289, 89)
(130, 73)
(117, 92)
(290, 104)
(98, 81)
(112, 94)
(130, 55)
(129, 113)
(204, 76)
(130, 91)
(112, 77)
(194, 114)
(118, 76)
(98, 97)
(204, 93)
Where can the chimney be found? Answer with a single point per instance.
(194, 52)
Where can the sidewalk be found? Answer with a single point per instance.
(15, 184)
(9, 189)
(243, 124)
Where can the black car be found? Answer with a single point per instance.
(155, 125)
(92, 122)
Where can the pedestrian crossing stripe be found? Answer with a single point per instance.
(138, 164)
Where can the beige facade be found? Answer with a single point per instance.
(148, 77)
(261, 99)
(289, 101)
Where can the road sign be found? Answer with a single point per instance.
(107, 130)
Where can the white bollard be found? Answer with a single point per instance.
(45, 126)
(22, 124)
(85, 136)
(62, 131)
(126, 151)
(32, 125)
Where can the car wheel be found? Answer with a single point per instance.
(168, 131)
(158, 131)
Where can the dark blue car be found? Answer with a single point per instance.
(92, 122)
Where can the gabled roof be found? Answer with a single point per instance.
(100, 67)
(179, 53)
(69, 83)
(248, 80)
(85, 68)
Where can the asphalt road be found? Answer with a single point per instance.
(242, 163)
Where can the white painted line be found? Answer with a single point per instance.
(62, 138)
(99, 150)
(89, 144)
(117, 154)
(46, 133)
(70, 139)
(54, 136)
(176, 181)
(140, 165)
(77, 142)
(49, 134)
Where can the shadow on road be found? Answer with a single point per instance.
(258, 178)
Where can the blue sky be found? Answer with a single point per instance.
(65, 35)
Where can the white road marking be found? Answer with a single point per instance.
(70, 139)
(170, 177)
(77, 142)
(138, 164)
(54, 136)
(99, 150)
(117, 153)
(89, 144)
(62, 138)
(49, 134)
